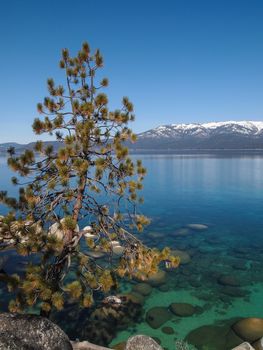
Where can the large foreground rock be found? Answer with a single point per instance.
(142, 342)
(31, 332)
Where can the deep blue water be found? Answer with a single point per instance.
(224, 192)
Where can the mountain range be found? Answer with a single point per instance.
(216, 135)
(231, 135)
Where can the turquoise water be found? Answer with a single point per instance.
(222, 277)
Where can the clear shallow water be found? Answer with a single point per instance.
(224, 192)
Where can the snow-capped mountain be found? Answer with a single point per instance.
(222, 135)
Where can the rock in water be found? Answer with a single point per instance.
(31, 332)
(182, 231)
(157, 316)
(182, 309)
(57, 230)
(183, 255)
(157, 279)
(118, 250)
(197, 227)
(228, 280)
(142, 342)
(249, 329)
(168, 330)
(142, 288)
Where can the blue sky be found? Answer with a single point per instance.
(178, 61)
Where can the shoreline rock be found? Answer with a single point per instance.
(24, 332)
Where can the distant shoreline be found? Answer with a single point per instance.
(3, 153)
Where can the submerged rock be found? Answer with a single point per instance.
(249, 329)
(228, 280)
(234, 292)
(142, 288)
(157, 279)
(183, 255)
(157, 316)
(57, 231)
(135, 297)
(182, 309)
(182, 231)
(118, 250)
(96, 254)
(31, 332)
(197, 227)
(218, 336)
(168, 330)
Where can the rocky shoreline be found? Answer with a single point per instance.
(32, 332)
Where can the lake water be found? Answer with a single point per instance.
(222, 274)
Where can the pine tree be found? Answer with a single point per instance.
(87, 176)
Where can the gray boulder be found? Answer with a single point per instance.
(142, 342)
(31, 332)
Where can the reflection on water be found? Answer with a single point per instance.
(220, 278)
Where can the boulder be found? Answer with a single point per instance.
(31, 332)
(142, 288)
(156, 235)
(168, 330)
(142, 342)
(206, 336)
(232, 339)
(182, 309)
(57, 231)
(234, 292)
(197, 227)
(157, 316)
(228, 280)
(182, 231)
(96, 254)
(250, 329)
(218, 336)
(157, 279)
(136, 298)
(117, 250)
(183, 255)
